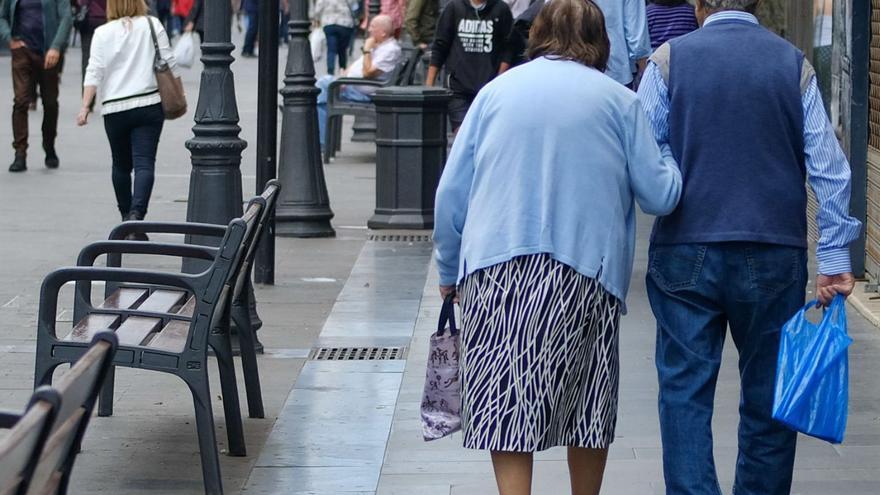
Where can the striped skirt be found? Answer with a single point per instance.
(539, 361)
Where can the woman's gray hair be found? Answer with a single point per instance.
(730, 4)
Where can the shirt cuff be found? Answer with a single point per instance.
(834, 261)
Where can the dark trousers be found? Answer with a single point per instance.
(27, 73)
(250, 36)
(696, 291)
(134, 138)
(338, 39)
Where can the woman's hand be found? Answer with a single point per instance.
(445, 290)
(82, 118)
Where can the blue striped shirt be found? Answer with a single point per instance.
(828, 170)
(666, 23)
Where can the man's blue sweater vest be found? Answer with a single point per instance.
(736, 128)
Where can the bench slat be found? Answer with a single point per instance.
(162, 301)
(135, 329)
(189, 308)
(124, 298)
(172, 338)
(89, 326)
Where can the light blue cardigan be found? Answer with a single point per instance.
(549, 160)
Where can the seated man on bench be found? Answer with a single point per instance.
(381, 55)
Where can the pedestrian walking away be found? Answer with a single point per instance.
(251, 9)
(337, 19)
(541, 300)
(630, 41)
(37, 32)
(472, 42)
(93, 13)
(120, 72)
(748, 128)
(669, 19)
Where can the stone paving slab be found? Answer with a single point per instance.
(331, 435)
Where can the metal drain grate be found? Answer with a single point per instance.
(357, 353)
(399, 237)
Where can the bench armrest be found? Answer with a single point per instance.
(55, 280)
(90, 253)
(336, 86)
(189, 228)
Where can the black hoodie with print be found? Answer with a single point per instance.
(472, 42)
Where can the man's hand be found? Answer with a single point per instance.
(51, 59)
(15, 44)
(827, 286)
(445, 290)
(423, 46)
(369, 44)
(189, 26)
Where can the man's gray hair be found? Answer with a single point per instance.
(730, 4)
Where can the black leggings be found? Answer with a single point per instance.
(134, 138)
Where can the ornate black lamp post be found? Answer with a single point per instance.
(215, 182)
(303, 209)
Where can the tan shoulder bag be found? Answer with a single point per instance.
(170, 87)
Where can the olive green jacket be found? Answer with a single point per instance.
(421, 20)
(57, 20)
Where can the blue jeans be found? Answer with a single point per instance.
(347, 93)
(250, 36)
(134, 138)
(338, 39)
(696, 291)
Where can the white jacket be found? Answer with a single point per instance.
(121, 63)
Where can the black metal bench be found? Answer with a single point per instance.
(38, 453)
(237, 308)
(337, 107)
(164, 322)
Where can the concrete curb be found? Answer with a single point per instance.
(862, 302)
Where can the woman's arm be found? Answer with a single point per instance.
(165, 50)
(453, 197)
(89, 93)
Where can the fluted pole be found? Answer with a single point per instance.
(215, 182)
(303, 208)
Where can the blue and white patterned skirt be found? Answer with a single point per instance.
(539, 362)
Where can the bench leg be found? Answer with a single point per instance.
(249, 361)
(105, 399)
(207, 438)
(229, 390)
(43, 371)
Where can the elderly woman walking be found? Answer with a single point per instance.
(121, 70)
(535, 225)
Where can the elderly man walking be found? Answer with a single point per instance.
(741, 112)
(37, 33)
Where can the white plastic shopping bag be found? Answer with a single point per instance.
(185, 50)
(318, 41)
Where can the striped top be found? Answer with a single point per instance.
(666, 23)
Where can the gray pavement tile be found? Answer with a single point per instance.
(313, 480)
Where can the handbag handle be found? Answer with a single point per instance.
(158, 62)
(447, 315)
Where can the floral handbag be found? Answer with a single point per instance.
(441, 400)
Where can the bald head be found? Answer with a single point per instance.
(381, 28)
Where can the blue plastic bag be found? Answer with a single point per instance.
(812, 373)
